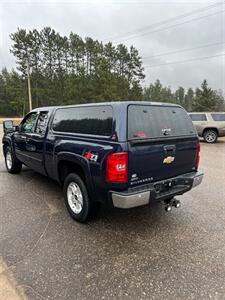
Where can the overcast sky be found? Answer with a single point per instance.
(106, 20)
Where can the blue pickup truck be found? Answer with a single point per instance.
(123, 154)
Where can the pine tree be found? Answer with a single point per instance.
(189, 98)
(179, 96)
(205, 98)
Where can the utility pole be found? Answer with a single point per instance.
(29, 86)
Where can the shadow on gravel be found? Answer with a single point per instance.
(49, 191)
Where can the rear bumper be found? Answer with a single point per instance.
(160, 190)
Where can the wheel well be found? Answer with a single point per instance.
(211, 128)
(67, 167)
(5, 145)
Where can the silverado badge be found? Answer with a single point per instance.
(168, 160)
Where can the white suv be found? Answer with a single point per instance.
(210, 126)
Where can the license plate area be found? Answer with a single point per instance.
(163, 187)
(169, 185)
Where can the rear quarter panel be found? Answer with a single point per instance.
(73, 148)
(221, 128)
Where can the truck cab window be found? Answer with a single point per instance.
(28, 124)
(42, 122)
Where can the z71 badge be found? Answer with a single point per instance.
(91, 156)
(168, 160)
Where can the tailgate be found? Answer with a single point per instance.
(162, 143)
(150, 162)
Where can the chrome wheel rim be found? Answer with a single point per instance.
(210, 137)
(75, 197)
(9, 160)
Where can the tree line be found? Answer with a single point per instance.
(202, 98)
(72, 70)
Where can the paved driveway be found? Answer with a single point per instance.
(143, 253)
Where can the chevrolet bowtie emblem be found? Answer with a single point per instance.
(168, 159)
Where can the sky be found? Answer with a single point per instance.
(164, 32)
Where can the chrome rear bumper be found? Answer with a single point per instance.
(169, 188)
(128, 201)
(197, 180)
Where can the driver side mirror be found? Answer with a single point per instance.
(8, 126)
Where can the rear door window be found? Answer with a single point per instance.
(146, 121)
(95, 120)
(42, 123)
(198, 117)
(218, 117)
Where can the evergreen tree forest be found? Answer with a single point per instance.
(200, 99)
(71, 70)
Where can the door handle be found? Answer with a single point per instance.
(169, 148)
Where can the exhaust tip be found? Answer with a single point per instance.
(168, 208)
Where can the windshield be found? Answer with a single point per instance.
(147, 121)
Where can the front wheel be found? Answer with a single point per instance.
(13, 166)
(76, 198)
(210, 136)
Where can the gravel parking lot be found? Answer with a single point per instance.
(143, 253)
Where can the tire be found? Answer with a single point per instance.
(76, 198)
(210, 136)
(13, 166)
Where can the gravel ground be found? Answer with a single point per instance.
(142, 253)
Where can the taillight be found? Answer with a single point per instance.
(117, 167)
(198, 156)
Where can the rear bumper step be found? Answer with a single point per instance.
(156, 191)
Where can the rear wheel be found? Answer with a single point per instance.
(76, 198)
(13, 166)
(210, 136)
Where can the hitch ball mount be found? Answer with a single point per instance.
(172, 203)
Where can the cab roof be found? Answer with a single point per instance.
(113, 103)
(206, 112)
